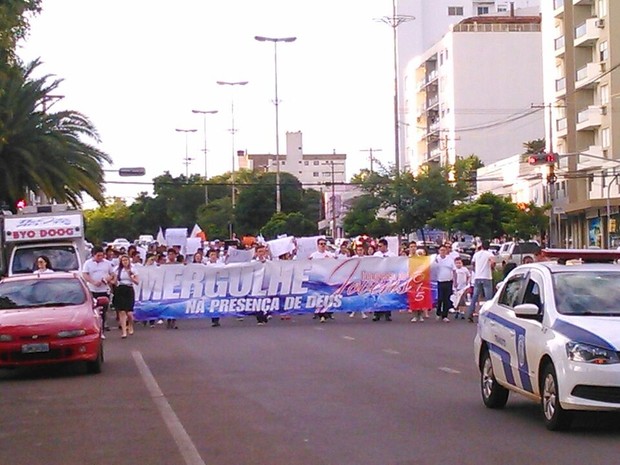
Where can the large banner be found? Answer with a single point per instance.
(283, 287)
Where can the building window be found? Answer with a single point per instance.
(602, 51)
(455, 11)
(483, 10)
(502, 8)
(316, 162)
(604, 94)
(605, 137)
(326, 175)
(315, 174)
(602, 8)
(306, 163)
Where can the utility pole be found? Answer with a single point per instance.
(372, 158)
(554, 236)
(333, 203)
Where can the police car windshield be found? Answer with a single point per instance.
(587, 293)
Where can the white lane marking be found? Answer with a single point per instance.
(348, 338)
(184, 443)
(450, 370)
(391, 351)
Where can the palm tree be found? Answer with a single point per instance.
(41, 151)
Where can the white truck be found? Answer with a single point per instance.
(51, 230)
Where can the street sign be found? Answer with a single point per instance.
(131, 171)
(558, 210)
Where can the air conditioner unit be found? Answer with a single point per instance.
(600, 23)
(603, 110)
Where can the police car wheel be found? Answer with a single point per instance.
(556, 418)
(493, 394)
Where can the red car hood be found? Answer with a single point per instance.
(75, 316)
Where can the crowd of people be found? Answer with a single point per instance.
(113, 273)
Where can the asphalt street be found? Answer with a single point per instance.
(293, 392)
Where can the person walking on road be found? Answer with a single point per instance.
(124, 295)
(444, 267)
(483, 264)
(98, 272)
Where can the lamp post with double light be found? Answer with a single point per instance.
(187, 159)
(204, 114)
(232, 130)
(275, 41)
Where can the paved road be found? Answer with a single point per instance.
(348, 392)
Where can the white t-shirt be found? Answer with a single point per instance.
(318, 255)
(443, 267)
(378, 253)
(462, 275)
(98, 271)
(482, 261)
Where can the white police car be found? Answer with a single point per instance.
(552, 333)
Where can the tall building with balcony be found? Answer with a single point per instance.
(431, 20)
(472, 92)
(581, 43)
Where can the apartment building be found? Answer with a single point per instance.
(424, 24)
(472, 92)
(581, 43)
(314, 171)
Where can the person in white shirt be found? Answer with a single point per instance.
(460, 287)
(383, 251)
(443, 265)
(43, 265)
(261, 255)
(319, 254)
(359, 253)
(483, 263)
(98, 272)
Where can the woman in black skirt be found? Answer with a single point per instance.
(124, 296)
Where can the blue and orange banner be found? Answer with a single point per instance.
(283, 287)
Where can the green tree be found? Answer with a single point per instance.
(292, 224)
(109, 222)
(14, 25)
(362, 218)
(181, 197)
(489, 216)
(465, 176)
(45, 151)
(214, 218)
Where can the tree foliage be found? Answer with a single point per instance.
(492, 216)
(14, 24)
(45, 151)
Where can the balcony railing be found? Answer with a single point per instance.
(559, 42)
(560, 84)
(498, 27)
(558, 4)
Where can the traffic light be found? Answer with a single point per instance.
(542, 158)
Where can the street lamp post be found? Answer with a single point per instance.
(394, 21)
(187, 159)
(232, 132)
(204, 114)
(276, 102)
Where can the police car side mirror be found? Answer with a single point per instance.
(529, 311)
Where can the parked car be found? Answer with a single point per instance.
(552, 334)
(119, 243)
(516, 251)
(49, 318)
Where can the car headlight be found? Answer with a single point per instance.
(72, 333)
(581, 352)
(6, 338)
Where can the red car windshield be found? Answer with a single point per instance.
(41, 293)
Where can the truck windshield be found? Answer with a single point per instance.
(62, 258)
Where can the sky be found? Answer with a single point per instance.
(137, 69)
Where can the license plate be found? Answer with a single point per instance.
(35, 348)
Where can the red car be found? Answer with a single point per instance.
(49, 318)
